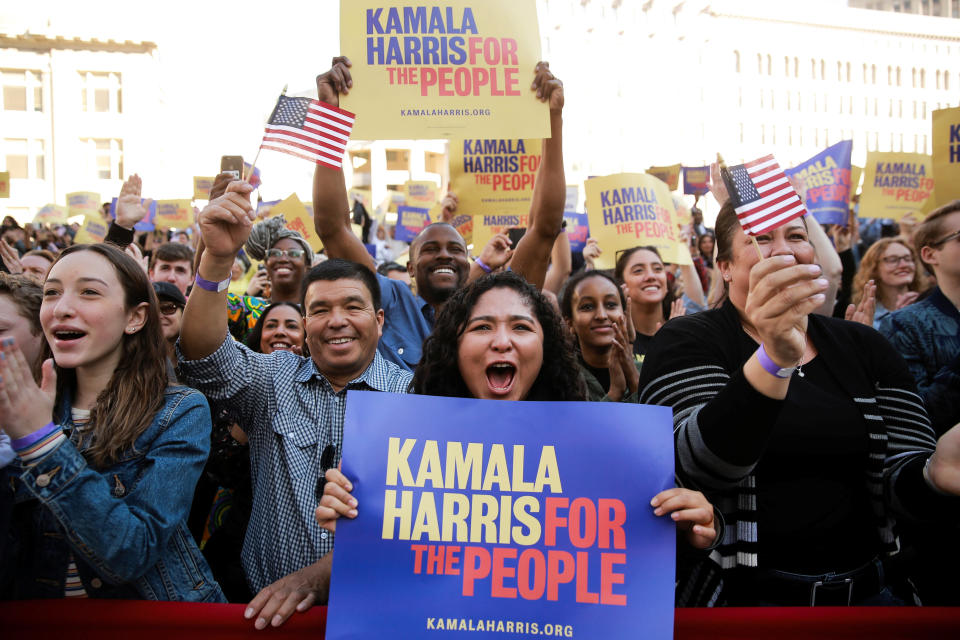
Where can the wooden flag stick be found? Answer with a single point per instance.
(728, 182)
(253, 165)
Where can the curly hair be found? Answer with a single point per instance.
(438, 373)
(870, 268)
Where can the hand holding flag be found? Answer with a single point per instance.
(309, 129)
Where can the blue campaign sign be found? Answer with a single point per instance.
(578, 229)
(410, 221)
(823, 182)
(494, 517)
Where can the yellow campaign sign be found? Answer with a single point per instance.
(494, 176)
(487, 226)
(946, 155)
(81, 202)
(421, 193)
(433, 69)
(669, 174)
(201, 187)
(51, 214)
(895, 184)
(4, 184)
(92, 230)
(297, 218)
(627, 210)
(173, 214)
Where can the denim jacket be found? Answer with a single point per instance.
(125, 525)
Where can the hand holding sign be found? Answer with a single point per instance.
(692, 513)
(226, 221)
(336, 500)
(131, 208)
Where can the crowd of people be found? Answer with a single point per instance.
(172, 413)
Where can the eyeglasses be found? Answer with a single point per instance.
(892, 261)
(168, 308)
(290, 253)
(942, 241)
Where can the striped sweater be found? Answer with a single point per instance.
(722, 426)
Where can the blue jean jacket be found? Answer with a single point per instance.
(125, 525)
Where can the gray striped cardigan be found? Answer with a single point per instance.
(722, 425)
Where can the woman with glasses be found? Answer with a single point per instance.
(891, 264)
(286, 256)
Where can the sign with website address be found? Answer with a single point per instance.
(442, 69)
(498, 518)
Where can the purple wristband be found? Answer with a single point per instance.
(210, 285)
(483, 265)
(772, 367)
(26, 441)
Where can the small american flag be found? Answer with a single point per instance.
(309, 129)
(762, 196)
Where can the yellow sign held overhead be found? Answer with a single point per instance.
(201, 187)
(632, 209)
(92, 230)
(173, 214)
(442, 70)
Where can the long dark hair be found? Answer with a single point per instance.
(438, 373)
(126, 407)
(253, 338)
(621, 266)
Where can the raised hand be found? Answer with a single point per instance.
(549, 88)
(782, 294)
(334, 82)
(864, 312)
(448, 206)
(10, 257)
(497, 252)
(130, 210)
(717, 186)
(591, 251)
(133, 250)
(24, 406)
(692, 512)
(226, 221)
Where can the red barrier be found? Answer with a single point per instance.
(107, 619)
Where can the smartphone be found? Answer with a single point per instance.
(232, 164)
(515, 235)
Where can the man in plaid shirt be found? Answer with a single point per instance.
(291, 407)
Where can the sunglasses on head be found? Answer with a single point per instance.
(168, 308)
(279, 253)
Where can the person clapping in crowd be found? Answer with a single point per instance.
(105, 444)
(593, 308)
(806, 429)
(291, 407)
(438, 260)
(891, 264)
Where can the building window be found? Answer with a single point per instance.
(759, 64)
(913, 74)
(769, 65)
(839, 71)
(946, 80)
(763, 134)
(398, 160)
(796, 67)
(22, 90)
(101, 92)
(873, 74)
(107, 157)
(741, 133)
(938, 78)
(849, 75)
(736, 60)
(923, 78)
(813, 69)
(786, 66)
(434, 162)
(24, 158)
(898, 76)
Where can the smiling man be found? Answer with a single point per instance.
(291, 407)
(439, 263)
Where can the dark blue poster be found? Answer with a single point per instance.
(503, 519)
(696, 180)
(578, 229)
(823, 183)
(410, 221)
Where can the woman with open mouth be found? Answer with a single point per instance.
(499, 339)
(108, 451)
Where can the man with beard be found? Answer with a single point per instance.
(438, 259)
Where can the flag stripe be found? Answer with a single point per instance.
(773, 198)
(314, 149)
(306, 137)
(751, 218)
(316, 128)
(337, 111)
(320, 111)
(761, 163)
(773, 223)
(306, 156)
(763, 197)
